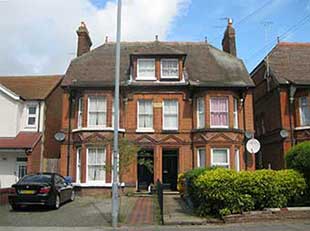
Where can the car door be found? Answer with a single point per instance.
(61, 187)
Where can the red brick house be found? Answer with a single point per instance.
(30, 116)
(281, 101)
(187, 104)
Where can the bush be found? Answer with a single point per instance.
(181, 184)
(222, 191)
(298, 158)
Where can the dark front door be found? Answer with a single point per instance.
(170, 169)
(145, 169)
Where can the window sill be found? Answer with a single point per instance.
(169, 77)
(302, 128)
(97, 129)
(145, 130)
(146, 79)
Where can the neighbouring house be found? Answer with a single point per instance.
(186, 104)
(30, 115)
(282, 101)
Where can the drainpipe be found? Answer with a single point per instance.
(244, 129)
(292, 91)
(69, 133)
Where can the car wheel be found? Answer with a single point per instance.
(72, 195)
(15, 207)
(57, 202)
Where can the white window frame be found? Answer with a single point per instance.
(32, 115)
(106, 113)
(140, 77)
(162, 76)
(237, 159)
(220, 164)
(163, 115)
(96, 182)
(219, 126)
(198, 157)
(78, 165)
(142, 129)
(80, 113)
(236, 122)
(201, 124)
(302, 123)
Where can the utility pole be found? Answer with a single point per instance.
(115, 199)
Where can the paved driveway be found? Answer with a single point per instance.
(85, 211)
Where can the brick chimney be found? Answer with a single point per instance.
(229, 40)
(84, 41)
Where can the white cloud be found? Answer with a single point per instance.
(38, 36)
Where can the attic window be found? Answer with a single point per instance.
(169, 69)
(146, 69)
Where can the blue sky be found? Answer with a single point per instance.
(205, 18)
(45, 40)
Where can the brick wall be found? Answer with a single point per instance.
(160, 140)
(4, 192)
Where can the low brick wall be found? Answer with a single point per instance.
(4, 192)
(97, 191)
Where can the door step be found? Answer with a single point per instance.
(171, 192)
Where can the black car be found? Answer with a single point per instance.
(49, 189)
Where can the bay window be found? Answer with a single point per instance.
(220, 157)
(304, 110)
(219, 112)
(97, 111)
(146, 69)
(96, 158)
(169, 68)
(78, 165)
(237, 159)
(170, 115)
(200, 112)
(145, 114)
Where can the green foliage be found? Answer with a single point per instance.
(222, 191)
(298, 158)
(181, 184)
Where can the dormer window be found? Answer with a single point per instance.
(169, 69)
(146, 69)
(32, 114)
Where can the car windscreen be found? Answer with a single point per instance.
(40, 178)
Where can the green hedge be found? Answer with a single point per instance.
(222, 191)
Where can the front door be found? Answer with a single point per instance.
(170, 169)
(145, 169)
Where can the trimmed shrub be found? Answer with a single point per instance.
(222, 191)
(181, 184)
(298, 158)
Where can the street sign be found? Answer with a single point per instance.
(253, 146)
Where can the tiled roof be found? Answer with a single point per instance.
(24, 140)
(290, 63)
(204, 64)
(31, 87)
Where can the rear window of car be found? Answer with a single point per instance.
(40, 178)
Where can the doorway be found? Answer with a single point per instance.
(145, 169)
(170, 169)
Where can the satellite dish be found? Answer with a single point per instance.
(284, 133)
(60, 136)
(253, 146)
